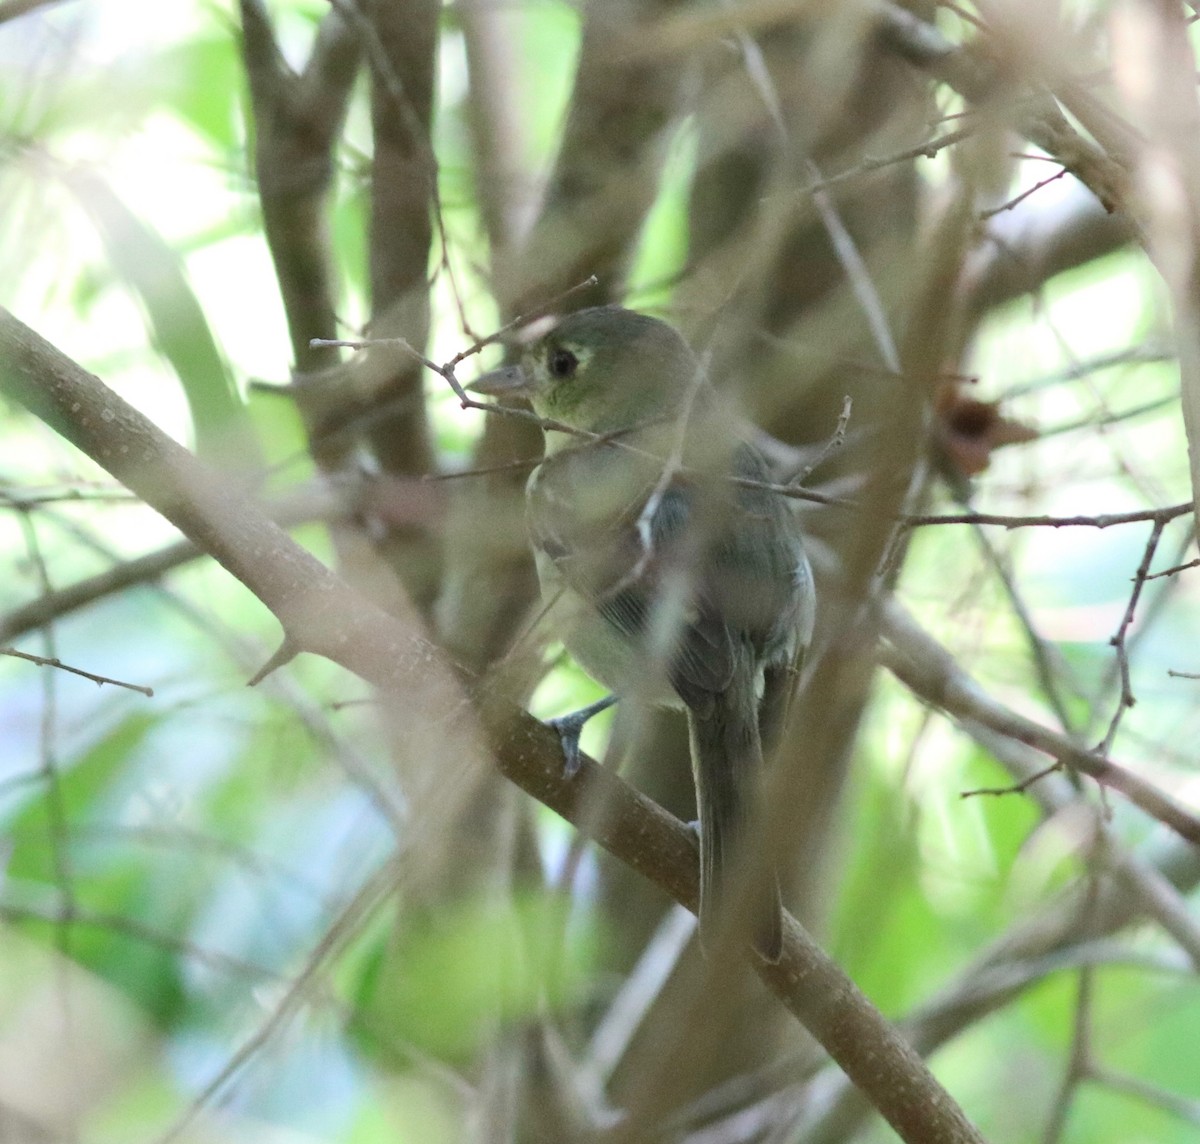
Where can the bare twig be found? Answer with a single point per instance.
(927, 150)
(1079, 1061)
(1184, 1108)
(345, 928)
(1018, 199)
(1045, 660)
(931, 672)
(843, 243)
(1102, 520)
(446, 369)
(77, 916)
(297, 118)
(836, 441)
(307, 505)
(1014, 788)
(1126, 698)
(970, 72)
(1175, 570)
(43, 661)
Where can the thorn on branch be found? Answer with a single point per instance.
(284, 654)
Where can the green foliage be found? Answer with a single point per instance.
(54, 837)
(195, 853)
(178, 326)
(443, 984)
(207, 83)
(42, 828)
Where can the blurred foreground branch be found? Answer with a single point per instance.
(321, 614)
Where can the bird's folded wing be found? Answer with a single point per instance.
(641, 567)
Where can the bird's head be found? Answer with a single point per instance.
(600, 370)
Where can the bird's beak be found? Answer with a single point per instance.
(507, 381)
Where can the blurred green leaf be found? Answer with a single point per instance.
(81, 786)
(152, 271)
(124, 889)
(208, 84)
(441, 984)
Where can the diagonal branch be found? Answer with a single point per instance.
(970, 72)
(321, 614)
(931, 673)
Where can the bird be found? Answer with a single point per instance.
(672, 573)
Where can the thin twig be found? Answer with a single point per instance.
(1017, 200)
(1103, 520)
(835, 442)
(1013, 788)
(1185, 1108)
(1127, 698)
(51, 661)
(1174, 570)
(345, 927)
(1079, 1061)
(926, 150)
(932, 673)
(478, 344)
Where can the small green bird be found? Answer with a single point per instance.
(668, 579)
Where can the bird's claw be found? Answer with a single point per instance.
(570, 727)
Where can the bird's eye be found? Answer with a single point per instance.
(562, 363)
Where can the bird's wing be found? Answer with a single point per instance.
(628, 546)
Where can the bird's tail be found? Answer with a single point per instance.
(727, 764)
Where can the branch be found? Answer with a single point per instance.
(1067, 932)
(321, 614)
(325, 502)
(49, 606)
(11, 9)
(500, 149)
(297, 119)
(54, 661)
(1158, 516)
(977, 78)
(606, 175)
(1022, 252)
(400, 38)
(1168, 114)
(930, 672)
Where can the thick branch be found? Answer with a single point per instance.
(321, 614)
(297, 119)
(971, 72)
(401, 42)
(499, 146)
(606, 174)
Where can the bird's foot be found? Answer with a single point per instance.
(570, 727)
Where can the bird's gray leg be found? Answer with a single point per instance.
(569, 728)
